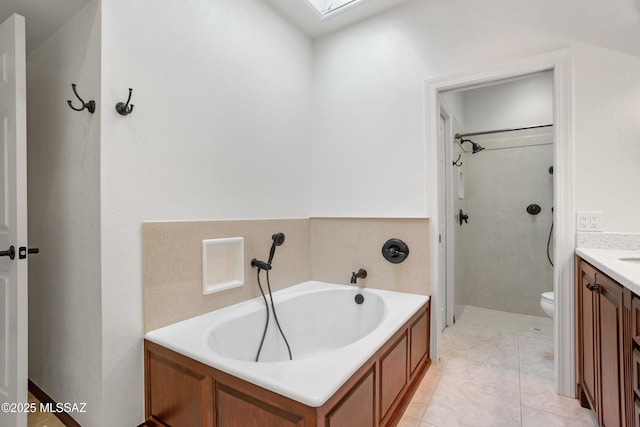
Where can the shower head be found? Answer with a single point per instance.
(278, 240)
(474, 147)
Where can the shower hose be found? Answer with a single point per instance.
(549, 241)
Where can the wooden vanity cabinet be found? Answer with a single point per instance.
(635, 359)
(612, 299)
(586, 310)
(604, 350)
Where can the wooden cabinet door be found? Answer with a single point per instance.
(587, 313)
(611, 348)
(175, 392)
(635, 352)
(419, 341)
(237, 409)
(393, 375)
(356, 409)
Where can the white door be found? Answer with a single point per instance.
(13, 221)
(442, 226)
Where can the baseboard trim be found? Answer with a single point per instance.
(152, 423)
(43, 397)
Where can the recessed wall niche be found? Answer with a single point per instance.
(222, 264)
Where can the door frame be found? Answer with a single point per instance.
(561, 62)
(447, 196)
(15, 271)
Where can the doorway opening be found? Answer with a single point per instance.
(440, 115)
(498, 151)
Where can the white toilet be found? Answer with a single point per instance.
(548, 303)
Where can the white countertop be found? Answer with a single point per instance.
(610, 262)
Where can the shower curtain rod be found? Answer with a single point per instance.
(461, 135)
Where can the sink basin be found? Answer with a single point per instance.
(634, 260)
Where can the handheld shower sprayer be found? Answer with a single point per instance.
(278, 240)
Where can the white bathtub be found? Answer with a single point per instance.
(329, 334)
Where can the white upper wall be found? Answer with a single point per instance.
(221, 121)
(512, 104)
(368, 140)
(368, 156)
(65, 325)
(220, 130)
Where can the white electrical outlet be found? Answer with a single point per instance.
(589, 221)
(594, 221)
(583, 221)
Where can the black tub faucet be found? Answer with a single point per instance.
(360, 274)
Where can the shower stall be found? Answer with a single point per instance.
(502, 255)
(503, 195)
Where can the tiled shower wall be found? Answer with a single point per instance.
(325, 249)
(503, 248)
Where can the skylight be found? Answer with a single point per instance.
(328, 8)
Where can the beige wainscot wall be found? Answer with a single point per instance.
(324, 249)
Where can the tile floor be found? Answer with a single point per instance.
(41, 419)
(495, 370)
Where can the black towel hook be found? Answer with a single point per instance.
(125, 109)
(91, 105)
